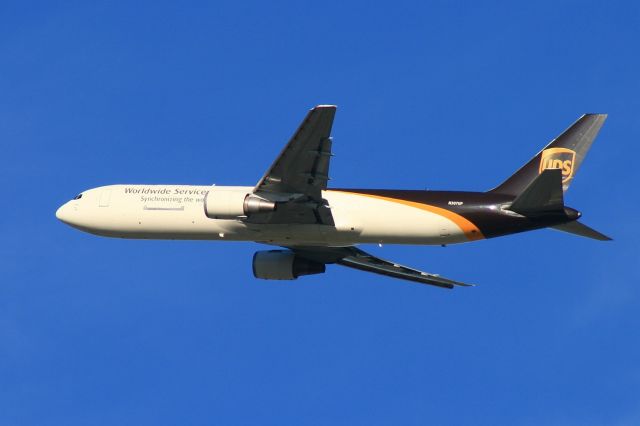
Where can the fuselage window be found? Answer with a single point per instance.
(78, 197)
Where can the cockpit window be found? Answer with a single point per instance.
(78, 197)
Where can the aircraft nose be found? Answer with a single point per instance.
(63, 213)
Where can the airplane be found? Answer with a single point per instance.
(292, 207)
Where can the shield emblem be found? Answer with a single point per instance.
(558, 158)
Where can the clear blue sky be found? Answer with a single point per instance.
(436, 95)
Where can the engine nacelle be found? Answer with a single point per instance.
(227, 203)
(283, 265)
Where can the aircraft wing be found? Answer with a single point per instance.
(299, 174)
(353, 257)
(303, 165)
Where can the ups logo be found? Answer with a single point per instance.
(558, 158)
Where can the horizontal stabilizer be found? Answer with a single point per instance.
(543, 195)
(582, 230)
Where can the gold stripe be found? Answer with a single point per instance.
(470, 230)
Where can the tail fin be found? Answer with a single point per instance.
(566, 152)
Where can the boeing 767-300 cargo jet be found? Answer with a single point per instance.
(292, 207)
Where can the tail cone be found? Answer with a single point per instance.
(572, 214)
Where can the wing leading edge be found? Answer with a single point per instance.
(355, 258)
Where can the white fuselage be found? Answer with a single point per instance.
(177, 212)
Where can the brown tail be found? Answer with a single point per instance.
(566, 152)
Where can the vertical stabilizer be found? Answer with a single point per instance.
(566, 152)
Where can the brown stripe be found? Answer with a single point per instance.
(470, 230)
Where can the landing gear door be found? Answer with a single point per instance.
(105, 197)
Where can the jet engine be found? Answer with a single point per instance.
(283, 265)
(233, 203)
